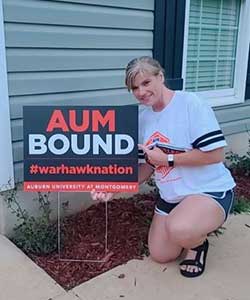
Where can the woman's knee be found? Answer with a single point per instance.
(162, 252)
(160, 248)
(180, 233)
(161, 255)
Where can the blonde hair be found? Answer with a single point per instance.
(143, 64)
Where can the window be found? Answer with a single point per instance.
(215, 49)
(6, 161)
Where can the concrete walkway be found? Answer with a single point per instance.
(227, 276)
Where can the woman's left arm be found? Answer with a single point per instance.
(197, 157)
(194, 157)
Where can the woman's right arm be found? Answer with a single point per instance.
(144, 172)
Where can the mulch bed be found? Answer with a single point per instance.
(242, 185)
(84, 237)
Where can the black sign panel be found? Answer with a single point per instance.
(80, 148)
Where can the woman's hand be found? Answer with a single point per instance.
(101, 196)
(155, 156)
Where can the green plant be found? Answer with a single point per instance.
(242, 205)
(33, 235)
(151, 182)
(240, 164)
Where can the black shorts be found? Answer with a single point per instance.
(225, 201)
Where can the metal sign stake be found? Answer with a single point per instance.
(59, 235)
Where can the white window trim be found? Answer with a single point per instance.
(236, 94)
(6, 159)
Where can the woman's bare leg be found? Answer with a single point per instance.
(160, 247)
(190, 222)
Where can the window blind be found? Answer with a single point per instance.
(212, 43)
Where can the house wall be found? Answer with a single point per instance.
(238, 143)
(6, 160)
(71, 53)
(74, 53)
(235, 119)
(169, 33)
(68, 53)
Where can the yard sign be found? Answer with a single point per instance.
(80, 148)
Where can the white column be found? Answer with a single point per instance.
(6, 159)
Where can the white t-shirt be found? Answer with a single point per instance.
(184, 124)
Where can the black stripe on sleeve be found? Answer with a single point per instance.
(140, 154)
(210, 141)
(205, 136)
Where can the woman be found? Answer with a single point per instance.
(183, 147)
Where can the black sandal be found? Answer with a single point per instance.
(203, 248)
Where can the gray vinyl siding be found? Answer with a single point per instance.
(71, 53)
(234, 118)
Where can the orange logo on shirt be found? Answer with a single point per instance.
(155, 138)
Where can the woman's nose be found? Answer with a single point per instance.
(141, 91)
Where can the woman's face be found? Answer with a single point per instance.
(147, 88)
